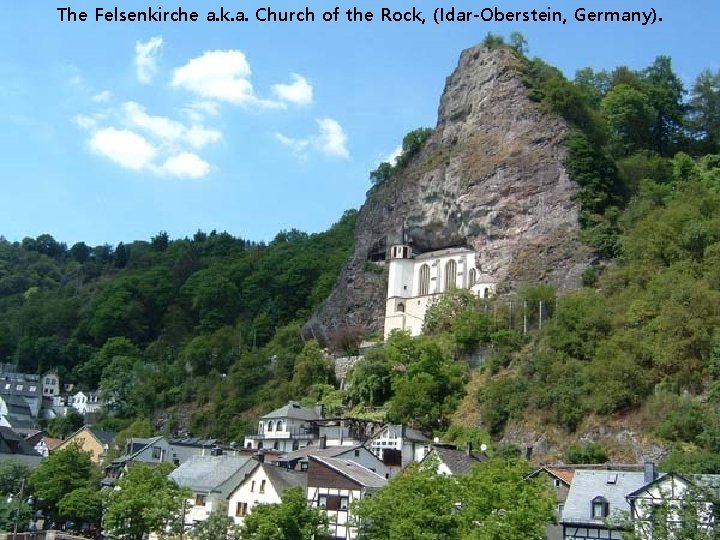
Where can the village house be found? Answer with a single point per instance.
(13, 447)
(286, 429)
(42, 443)
(671, 501)
(333, 484)
(299, 459)
(211, 479)
(95, 442)
(264, 484)
(398, 445)
(597, 505)
(560, 477)
(86, 402)
(450, 461)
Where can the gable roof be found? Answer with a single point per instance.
(138, 445)
(612, 485)
(564, 474)
(353, 471)
(709, 482)
(282, 479)
(293, 410)
(457, 461)
(105, 437)
(400, 430)
(208, 473)
(14, 443)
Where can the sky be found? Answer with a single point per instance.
(115, 131)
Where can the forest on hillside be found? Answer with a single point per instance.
(208, 329)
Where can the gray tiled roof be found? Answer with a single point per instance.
(353, 471)
(282, 479)
(293, 410)
(458, 461)
(312, 450)
(612, 485)
(411, 434)
(207, 473)
(105, 437)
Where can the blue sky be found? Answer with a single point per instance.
(114, 131)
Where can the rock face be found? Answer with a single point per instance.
(491, 178)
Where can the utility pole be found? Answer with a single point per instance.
(525, 318)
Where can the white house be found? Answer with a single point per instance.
(669, 502)
(333, 484)
(211, 480)
(399, 445)
(285, 429)
(86, 402)
(264, 484)
(416, 281)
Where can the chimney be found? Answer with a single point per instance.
(260, 456)
(323, 442)
(650, 472)
(469, 448)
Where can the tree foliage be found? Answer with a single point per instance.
(289, 520)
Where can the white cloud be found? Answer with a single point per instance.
(146, 57)
(331, 140)
(223, 76)
(85, 121)
(300, 91)
(199, 110)
(124, 147)
(391, 158)
(186, 165)
(199, 136)
(159, 126)
(102, 97)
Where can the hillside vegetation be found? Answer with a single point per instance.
(208, 329)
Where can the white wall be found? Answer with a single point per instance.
(249, 493)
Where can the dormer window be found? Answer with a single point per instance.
(600, 508)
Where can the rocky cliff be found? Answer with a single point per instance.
(491, 177)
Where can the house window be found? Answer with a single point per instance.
(424, 280)
(252, 486)
(7, 387)
(357, 452)
(332, 502)
(18, 387)
(304, 466)
(400, 307)
(241, 509)
(278, 426)
(156, 452)
(450, 274)
(600, 508)
(322, 501)
(471, 277)
(270, 426)
(560, 508)
(558, 483)
(32, 388)
(262, 486)
(343, 503)
(199, 499)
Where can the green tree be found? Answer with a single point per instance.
(312, 366)
(705, 109)
(61, 473)
(82, 505)
(12, 475)
(144, 500)
(484, 504)
(217, 526)
(289, 520)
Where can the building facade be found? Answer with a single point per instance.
(416, 281)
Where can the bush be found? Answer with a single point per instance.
(589, 453)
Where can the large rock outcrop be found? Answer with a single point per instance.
(491, 177)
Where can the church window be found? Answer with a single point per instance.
(424, 280)
(471, 277)
(450, 274)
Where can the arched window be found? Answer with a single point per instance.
(270, 426)
(400, 307)
(248, 445)
(471, 277)
(450, 274)
(278, 426)
(487, 292)
(424, 280)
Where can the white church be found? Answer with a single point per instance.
(417, 281)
